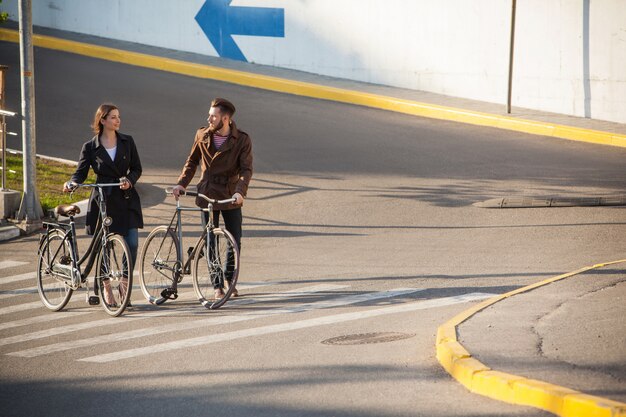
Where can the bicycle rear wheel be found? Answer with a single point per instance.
(212, 271)
(114, 276)
(159, 264)
(54, 264)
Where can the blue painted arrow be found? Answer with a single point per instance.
(219, 21)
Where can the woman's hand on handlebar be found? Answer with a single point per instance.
(69, 186)
(125, 183)
(177, 191)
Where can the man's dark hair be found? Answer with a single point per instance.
(225, 106)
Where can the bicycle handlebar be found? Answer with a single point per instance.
(74, 185)
(204, 197)
(113, 184)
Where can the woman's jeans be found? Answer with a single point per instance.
(132, 240)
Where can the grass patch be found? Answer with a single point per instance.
(50, 178)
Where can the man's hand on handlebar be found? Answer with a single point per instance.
(177, 191)
(238, 198)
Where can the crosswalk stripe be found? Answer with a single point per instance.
(42, 319)
(14, 293)
(75, 297)
(20, 277)
(11, 264)
(241, 316)
(66, 329)
(65, 314)
(119, 336)
(283, 327)
(22, 307)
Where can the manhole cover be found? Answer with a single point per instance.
(366, 338)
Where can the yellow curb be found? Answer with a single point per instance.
(299, 88)
(513, 389)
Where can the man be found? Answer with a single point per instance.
(225, 155)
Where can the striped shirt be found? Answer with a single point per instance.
(218, 140)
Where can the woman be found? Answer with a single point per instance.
(114, 158)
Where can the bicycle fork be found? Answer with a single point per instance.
(171, 293)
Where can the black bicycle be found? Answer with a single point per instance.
(60, 270)
(215, 259)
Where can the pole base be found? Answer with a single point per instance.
(9, 203)
(30, 226)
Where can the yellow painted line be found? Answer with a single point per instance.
(513, 389)
(299, 88)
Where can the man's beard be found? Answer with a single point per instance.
(213, 128)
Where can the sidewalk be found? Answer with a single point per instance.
(557, 346)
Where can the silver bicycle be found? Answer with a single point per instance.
(213, 261)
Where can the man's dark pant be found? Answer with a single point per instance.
(232, 222)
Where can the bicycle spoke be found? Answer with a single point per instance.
(54, 263)
(115, 276)
(219, 267)
(159, 264)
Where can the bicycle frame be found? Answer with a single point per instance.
(90, 255)
(179, 230)
(97, 241)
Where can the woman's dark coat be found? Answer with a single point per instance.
(123, 206)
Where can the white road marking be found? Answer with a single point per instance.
(20, 277)
(67, 314)
(11, 264)
(22, 307)
(283, 327)
(80, 297)
(42, 319)
(217, 320)
(14, 293)
(109, 321)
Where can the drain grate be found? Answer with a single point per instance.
(367, 338)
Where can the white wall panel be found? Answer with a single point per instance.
(570, 55)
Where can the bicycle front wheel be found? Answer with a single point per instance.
(159, 264)
(114, 275)
(215, 263)
(54, 265)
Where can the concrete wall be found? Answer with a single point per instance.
(570, 55)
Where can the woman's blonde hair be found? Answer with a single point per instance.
(102, 113)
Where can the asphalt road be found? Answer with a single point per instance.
(346, 202)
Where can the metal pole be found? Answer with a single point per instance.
(30, 209)
(511, 48)
(3, 126)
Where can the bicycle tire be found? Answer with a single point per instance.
(159, 264)
(114, 275)
(52, 287)
(221, 263)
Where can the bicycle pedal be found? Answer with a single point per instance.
(169, 293)
(93, 300)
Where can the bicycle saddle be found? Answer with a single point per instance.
(67, 210)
